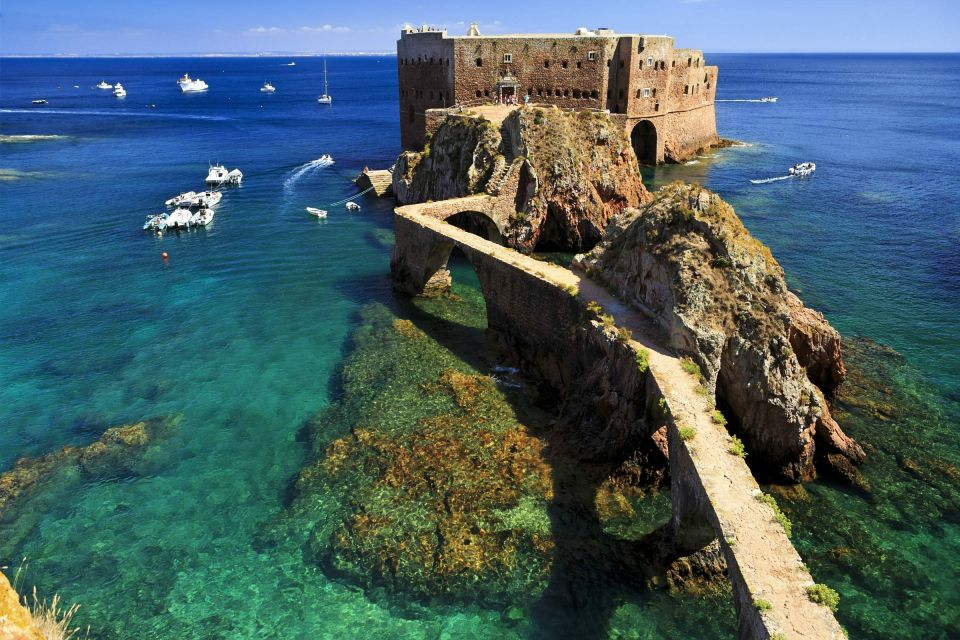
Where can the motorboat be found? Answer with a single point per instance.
(179, 219)
(291, 64)
(769, 99)
(39, 101)
(235, 177)
(156, 222)
(218, 174)
(319, 213)
(191, 85)
(267, 88)
(208, 199)
(202, 218)
(119, 91)
(326, 159)
(104, 85)
(326, 98)
(178, 200)
(353, 206)
(802, 169)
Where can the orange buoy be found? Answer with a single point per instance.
(164, 255)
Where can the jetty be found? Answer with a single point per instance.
(380, 180)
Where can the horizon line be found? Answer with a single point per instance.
(316, 54)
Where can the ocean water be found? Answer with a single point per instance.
(242, 334)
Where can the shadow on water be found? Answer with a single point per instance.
(592, 572)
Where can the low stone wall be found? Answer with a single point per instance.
(540, 312)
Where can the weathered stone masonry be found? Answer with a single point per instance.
(666, 95)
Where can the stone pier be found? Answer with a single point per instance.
(540, 311)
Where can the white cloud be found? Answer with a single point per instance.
(264, 30)
(325, 28)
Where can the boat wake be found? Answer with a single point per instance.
(766, 180)
(304, 169)
(743, 100)
(114, 114)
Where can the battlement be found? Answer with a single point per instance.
(667, 94)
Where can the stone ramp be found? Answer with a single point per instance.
(381, 180)
(714, 493)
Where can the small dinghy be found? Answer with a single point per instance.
(208, 199)
(40, 101)
(155, 222)
(802, 169)
(353, 206)
(176, 201)
(319, 213)
(104, 85)
(769, 99)
(267, 88)
(179, 219)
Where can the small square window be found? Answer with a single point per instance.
(649, 62)
(646, 93)
(591, 55)
(508, 57)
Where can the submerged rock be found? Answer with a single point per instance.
(720, 297)
(572, 171)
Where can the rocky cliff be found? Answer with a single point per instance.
(687, 261)
(574, 172)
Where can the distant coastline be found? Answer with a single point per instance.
(291, 54)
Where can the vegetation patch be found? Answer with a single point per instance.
(822, 594)
(687, 433)
(762, 605)
(778, 515)
(737, 448)
(642, 358)
(718, 418)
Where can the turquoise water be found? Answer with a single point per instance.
(243, 331)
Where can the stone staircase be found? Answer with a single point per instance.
(503, 163)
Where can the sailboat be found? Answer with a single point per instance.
(326, 98)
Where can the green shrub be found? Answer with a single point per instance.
(691, 367)
(572, 290)
(778, 636)
(623, 334)
(718, 418)
(822, 594)
(594, 307)
(687, 433)
(721, 262)
(762, 605)
(778, 515)
(642, 356)
(737, 448)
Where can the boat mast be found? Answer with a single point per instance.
(326, 88)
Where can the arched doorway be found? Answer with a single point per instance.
(644, 141)
(477, 224)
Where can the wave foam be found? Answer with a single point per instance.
(303, 170)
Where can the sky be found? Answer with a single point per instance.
(87, 27)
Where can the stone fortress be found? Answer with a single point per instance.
(663, 96)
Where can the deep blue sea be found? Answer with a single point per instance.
(242, 331)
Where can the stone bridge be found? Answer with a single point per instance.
(540, 311)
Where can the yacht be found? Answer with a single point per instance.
(176, 201)
(39, 101)
(769, 99)
(802, 169)
(326, 98)
(104, 85)
(319, 213)
(191, 85)
(119, 91)
(353, 206)
(218, 174)
(267, 88)
(202, 218)
(291, 64)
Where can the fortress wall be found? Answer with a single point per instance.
(425, 72)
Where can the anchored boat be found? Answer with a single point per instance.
(267, 88)
(104, 85)
(353, 206)
(319, 213)
(191, 85)
(119, 91)
(326, 98)
(202, 218)
(218, 174)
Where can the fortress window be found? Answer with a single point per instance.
(649, 62)
(646, 93)
(479, 62)
(539, 92)
(579, 65)
(705, 78)
(608, 62)
(576, 93)
(591, 55)
(486, 93)
(546, 64)
(566, 93)
(479, 93)
(689, 62)
(654, 92)
(686, 89)
(641, 65)
(656, 107)
(674, 64)
(564, 64)
(638, 93)
(594, 94)
(508, 57)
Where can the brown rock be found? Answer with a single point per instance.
(16, 623)
(816, 344)
(720, 297)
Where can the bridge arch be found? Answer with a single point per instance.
(643, 138)
(477, 223)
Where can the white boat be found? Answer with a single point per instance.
(353, 206)
(202, 218)
(326, 98)
(235, 177)
(291, 64)
(217, 174)
(320, 213)
(191, 85)
(104, 85)
(267, 88)
(208, 199)
(769, 99)
(119, 91)
(40, 101)
(176, 201)
(155, 222)
(326, 159)
(802, 169)
(179, 219)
